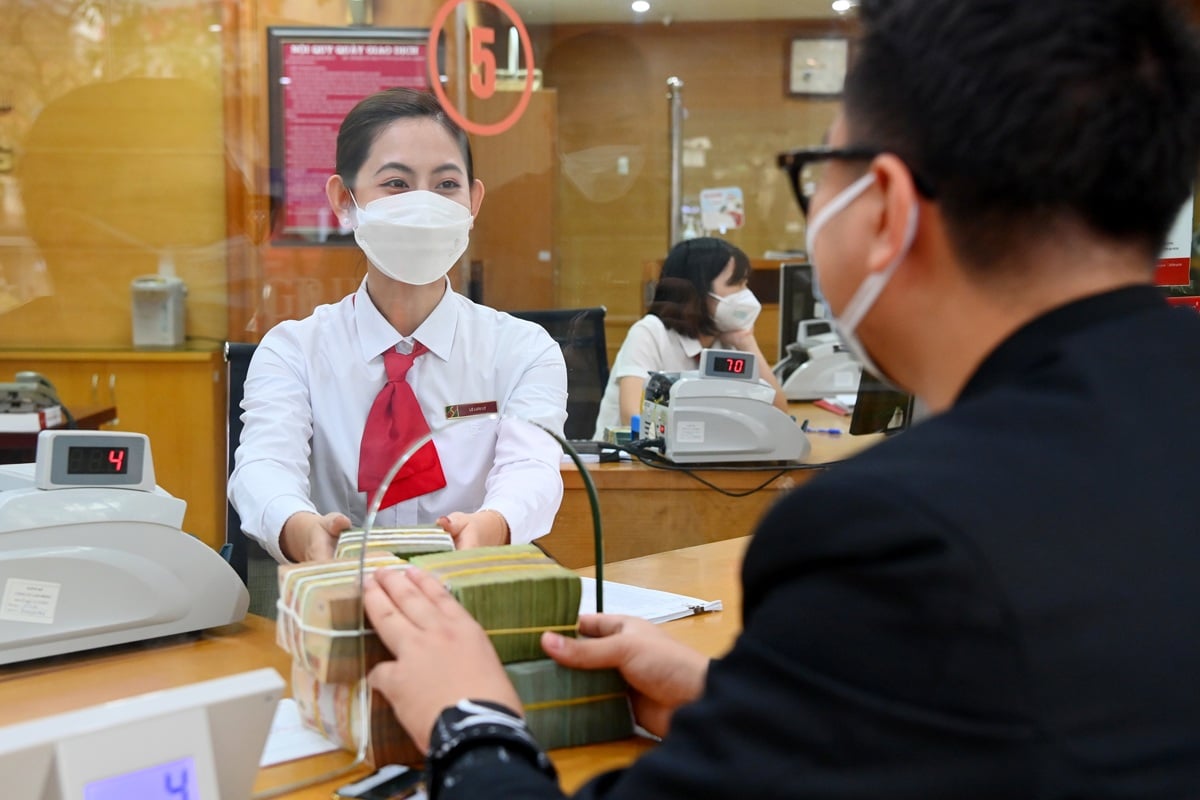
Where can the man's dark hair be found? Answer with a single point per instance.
(1023, 114)
(372, 114)
(680, 298)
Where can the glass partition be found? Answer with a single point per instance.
(136, 140)
(138, 172)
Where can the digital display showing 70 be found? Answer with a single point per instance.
(732, 366)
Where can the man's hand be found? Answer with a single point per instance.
(442, 655)
(481, 529)
(309, 537)
(663, 673)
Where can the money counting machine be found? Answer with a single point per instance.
(92, 552)
(817, 365)
(719, 413)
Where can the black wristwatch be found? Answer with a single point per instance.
(479, 726)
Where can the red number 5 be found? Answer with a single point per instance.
(483, 63)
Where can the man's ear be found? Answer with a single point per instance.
(339, 199)
(894, 183)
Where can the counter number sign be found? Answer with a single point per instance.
(482, 81)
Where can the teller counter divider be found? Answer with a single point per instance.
(647, 510)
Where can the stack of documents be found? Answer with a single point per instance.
(31, 421)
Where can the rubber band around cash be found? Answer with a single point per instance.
(459, 573)
(532, 629)
(303, 587)
(298, 592)
(519, 556)
(546, 705)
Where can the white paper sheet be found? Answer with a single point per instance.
(651, 604)
(289, 739)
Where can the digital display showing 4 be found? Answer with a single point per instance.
(97, 460)
(175, 780)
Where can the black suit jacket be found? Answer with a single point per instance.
(1003, 602)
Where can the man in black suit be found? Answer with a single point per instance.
(1002, 602)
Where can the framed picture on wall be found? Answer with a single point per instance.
(315, 76)
(817, 66)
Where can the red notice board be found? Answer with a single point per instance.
(316, 75)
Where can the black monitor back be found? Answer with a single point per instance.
(580, 334)
(879, 408)
(797, 301)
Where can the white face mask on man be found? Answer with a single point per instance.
(737, 311)
(872, 286)
(413, 237)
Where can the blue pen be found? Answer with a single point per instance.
(804, 426)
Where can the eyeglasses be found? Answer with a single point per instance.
(806, 167)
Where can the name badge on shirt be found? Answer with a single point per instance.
(471, 409)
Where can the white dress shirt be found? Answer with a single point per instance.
(312, 382)
(650, 346)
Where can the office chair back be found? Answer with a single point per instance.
(580, 334)
(237, 359)
(255, 565)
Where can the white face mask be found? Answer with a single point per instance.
(737, 311)
(413, 237)
(872, 286)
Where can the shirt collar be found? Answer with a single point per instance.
(691, 347)
(1040, 340)
(376, 334)
(437, 331)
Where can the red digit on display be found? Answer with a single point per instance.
(483, 63)
(116, 458)
(739, 365)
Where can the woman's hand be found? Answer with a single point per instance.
(484, 527)
(663, 673)
(309, 537)
(442, 655)
(741, 340)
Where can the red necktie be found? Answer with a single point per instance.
(395, 424)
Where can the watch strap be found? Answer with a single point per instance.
(471, 725)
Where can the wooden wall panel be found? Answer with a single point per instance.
(115, 124)
(513, 240)
(270, 283)
(612, 93)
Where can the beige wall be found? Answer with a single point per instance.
(131, 132)
(115, 127)
(612, 91)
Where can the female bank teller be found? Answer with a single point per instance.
(325, 393)
(701, 300)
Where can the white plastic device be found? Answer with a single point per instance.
(203, 740)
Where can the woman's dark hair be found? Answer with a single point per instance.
(681, 295)
(366, 121)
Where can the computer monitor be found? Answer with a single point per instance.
(797, 301)
(879, 408)
(580, 334)
(200, 741)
